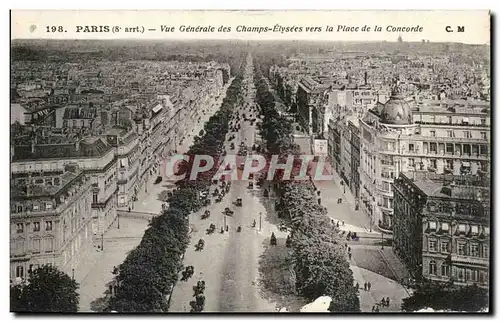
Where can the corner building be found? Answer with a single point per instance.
(442, 227)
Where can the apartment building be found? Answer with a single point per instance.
(442, 226)
(50, 220)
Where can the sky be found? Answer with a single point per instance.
(432, 25)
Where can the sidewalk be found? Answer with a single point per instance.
(94, 273)
(381, 287)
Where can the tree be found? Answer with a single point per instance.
(47, 290)
(439, 296)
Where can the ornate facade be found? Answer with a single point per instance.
(442, 226)
(50, 220)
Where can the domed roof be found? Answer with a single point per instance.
(396, 110)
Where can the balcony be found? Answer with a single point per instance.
(470, 260)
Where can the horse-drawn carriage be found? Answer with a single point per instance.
(199, 246)
(228, 212)
(206, 214)
(187, 273)
(282, 227)
(211, 229)
(239, 202)
(219, 198)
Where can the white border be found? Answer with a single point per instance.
(189, 4)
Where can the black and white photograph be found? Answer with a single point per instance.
(250, 162)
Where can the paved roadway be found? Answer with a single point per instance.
(229, 262)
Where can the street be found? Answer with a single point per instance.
(231, 274)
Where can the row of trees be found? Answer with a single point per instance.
(319, 258)
(150, 271)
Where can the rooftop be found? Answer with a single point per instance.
(67, 181)
(465, 187)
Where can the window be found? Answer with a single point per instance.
(94, 197)
(433, 133)
(474, 275)
(48, 206)
(432, 268)
(49, 245)
(411, 147)
(449, 164)
(20, 228)
(487, 231)
(432, 225)
(467, 134)
(485, 251)
(433, 147)
(36, 226)
(483, 135)
(444, 247)
(36, 207)
(445, 269)
(474, 229)
(449, 119)
(36, 245)
(461, 249)
(449, 133)
(20, 271)
(445, 227)
(433, 163)
(449, 148)
(474, 250)
(48, 225)
(461, 274)
(432, 245)
(483, 121)
(411, 162)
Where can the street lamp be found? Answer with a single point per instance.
(118, 219)
(382, 240)
(102, 242)
(73, 274)
(260, 221)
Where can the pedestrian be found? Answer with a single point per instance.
(338, 224)
(387, 301)
(350, 256)
(357, 286)
(373, 308)
(377, 309)
(343, 223)
(227, 227)
(129, 209)
(382, 302)
(319, 201)
(349, 249)
(369, 286)
(340, 200)
(366, 287)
